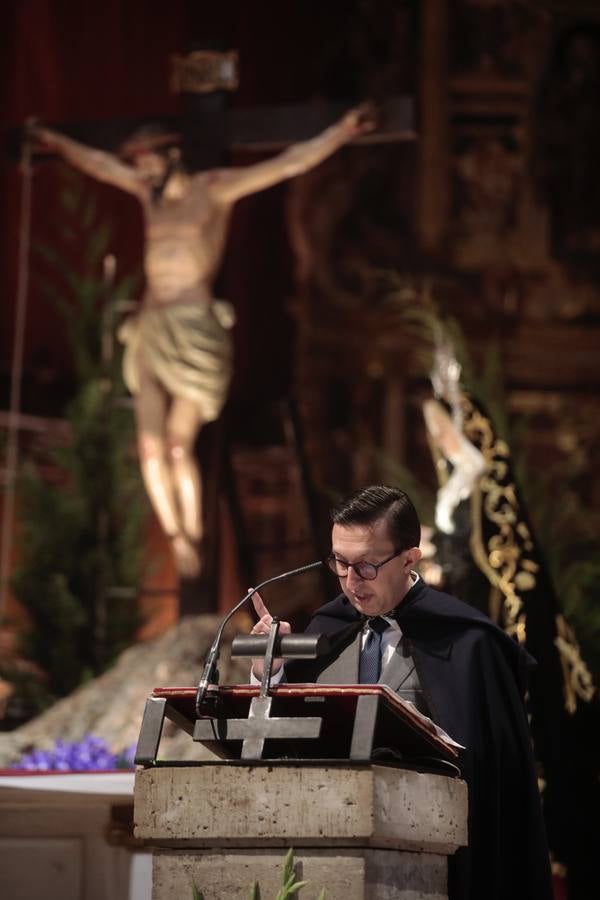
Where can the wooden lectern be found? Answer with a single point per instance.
(299, 721)
(293, 721)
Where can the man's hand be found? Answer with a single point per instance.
(263, 626)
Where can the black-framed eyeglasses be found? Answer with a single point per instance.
(365, 570)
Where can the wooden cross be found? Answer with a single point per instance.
(252, 130)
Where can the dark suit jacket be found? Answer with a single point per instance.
(473, 677)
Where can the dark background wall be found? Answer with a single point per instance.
(69, 63)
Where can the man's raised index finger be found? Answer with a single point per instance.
(259, 606)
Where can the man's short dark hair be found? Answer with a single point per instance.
(380, 501)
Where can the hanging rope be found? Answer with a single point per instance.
(12, 446)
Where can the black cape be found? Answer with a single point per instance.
(473, 676)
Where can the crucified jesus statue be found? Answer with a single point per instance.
(178, 355)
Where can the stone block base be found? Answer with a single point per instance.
(362, 832)
(346, 874)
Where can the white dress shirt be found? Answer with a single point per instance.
(390, 638)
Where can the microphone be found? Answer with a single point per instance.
(209, 673)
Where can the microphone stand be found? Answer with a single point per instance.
(210, 674)
(271, 638)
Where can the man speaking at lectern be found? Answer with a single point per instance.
(454, 664)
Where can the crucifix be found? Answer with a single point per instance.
(178, 357)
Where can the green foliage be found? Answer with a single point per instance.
(422, 317)
(289, 885)
(80, 530)
(423, 497)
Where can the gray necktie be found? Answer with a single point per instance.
(369, 667)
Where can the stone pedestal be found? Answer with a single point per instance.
(361, 832)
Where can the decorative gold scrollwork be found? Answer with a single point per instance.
(578, 680)
(505, 556)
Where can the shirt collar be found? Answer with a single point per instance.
(390, 617)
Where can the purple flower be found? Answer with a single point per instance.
(125, 759)
(91, 754)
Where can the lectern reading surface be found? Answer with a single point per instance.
(298, 721)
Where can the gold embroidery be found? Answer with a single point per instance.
(507, 557)
(576, 675)
(503, 557)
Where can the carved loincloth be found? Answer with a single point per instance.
(186, 346)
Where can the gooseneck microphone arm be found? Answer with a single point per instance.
(209, 673)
